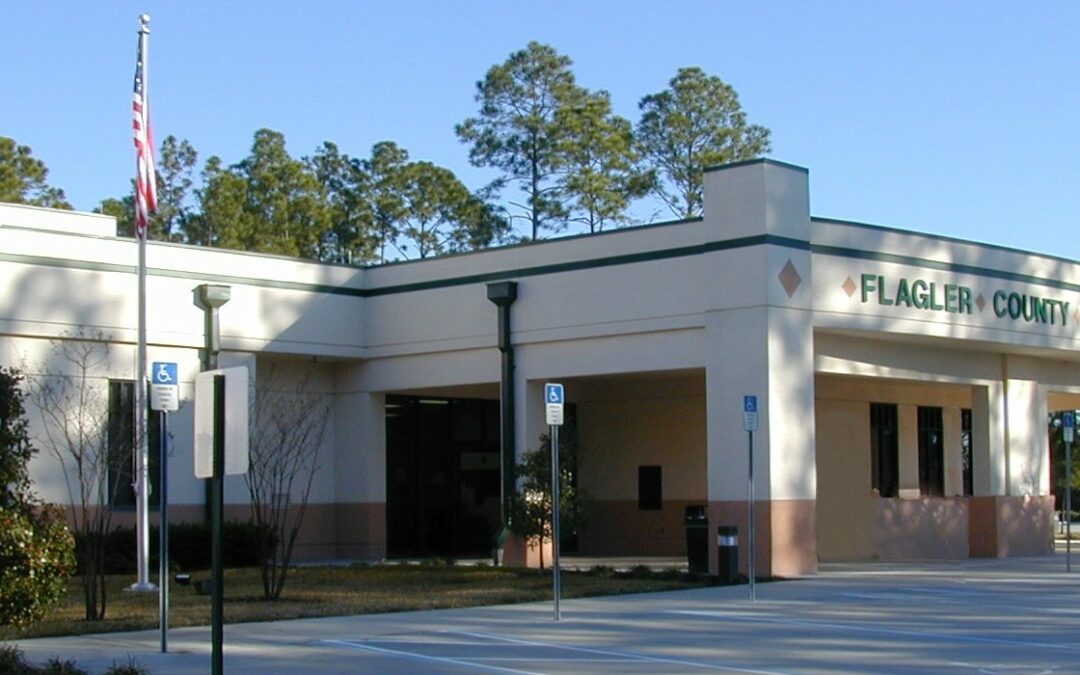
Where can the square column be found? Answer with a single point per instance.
(1028, 459)
(359, 465)
(530, 416)
(1011, 514)
(529, 423)
(988, 439)
(760, 341)
(954, 459)
(779, 371)
(907, 421)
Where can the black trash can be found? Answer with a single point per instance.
(697, 539)
(727, 553)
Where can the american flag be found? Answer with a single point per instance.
(145, 183)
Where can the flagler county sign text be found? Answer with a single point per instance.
(959, 299)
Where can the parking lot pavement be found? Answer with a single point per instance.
(973, 616)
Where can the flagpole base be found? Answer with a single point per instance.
(144, 587)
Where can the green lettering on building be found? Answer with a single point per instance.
(919, 294)
(957, 299)
(1030, 308)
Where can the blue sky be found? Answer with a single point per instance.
(960, 118)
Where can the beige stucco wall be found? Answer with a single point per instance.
(624, 423)
(853, 522)
(845, 502)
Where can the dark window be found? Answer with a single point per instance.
(442, 476)
(650, 488)
(121, 444)
(965, 450)
(884, 449)
(931, 452)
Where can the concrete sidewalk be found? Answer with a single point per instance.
(985, 616)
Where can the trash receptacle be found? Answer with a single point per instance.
(727, 553)
(697, 539)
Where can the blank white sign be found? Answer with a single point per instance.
(236, 421)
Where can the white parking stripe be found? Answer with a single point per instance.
(630, 656)
(901, 597)
(360, 646)
(944, 637)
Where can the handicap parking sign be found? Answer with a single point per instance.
(164, 387)
(750, 413)
(554, 402)
(163, 372)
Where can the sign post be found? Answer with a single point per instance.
(1068, 432)
(221, 447)
(750, 425)
(164, 398)
(554, 404)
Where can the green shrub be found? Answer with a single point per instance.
(37, 556)
(12, 661)
(57, 667)
(189, 547)
(129, 668)
(16, 450)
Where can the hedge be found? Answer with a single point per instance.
(189, 547)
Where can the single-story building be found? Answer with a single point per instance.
(903, 380)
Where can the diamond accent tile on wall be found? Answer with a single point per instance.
(849, 287)
(789, 278)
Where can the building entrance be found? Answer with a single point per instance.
(442, 482)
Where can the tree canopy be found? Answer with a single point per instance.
(23, 178)
(695, 123)
(175, 167)
(574, 162)
(349, 236)
(269, 202)
(516, 132)
(599, 168)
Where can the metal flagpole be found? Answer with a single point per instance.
(142, 455)
(142, 463)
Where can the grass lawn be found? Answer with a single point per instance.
(337, 591)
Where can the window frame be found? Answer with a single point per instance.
(931, 434)
(885, 449)
(120, 446)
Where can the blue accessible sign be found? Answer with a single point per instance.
(750, 413)
(554, 403)
(164, 387)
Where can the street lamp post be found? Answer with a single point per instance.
(209, 298)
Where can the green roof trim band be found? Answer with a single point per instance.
(957, 268)
(556, 268)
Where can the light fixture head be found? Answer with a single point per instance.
(212, 296)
